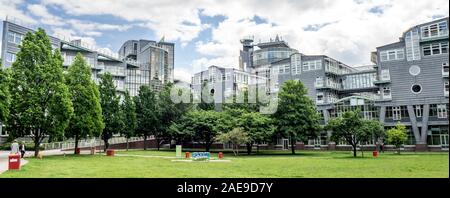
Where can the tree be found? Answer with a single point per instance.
(146, 113)
(109, 101)
(397, 136)
(41, 105)
(205, 125)
(128, 109)
(237, 136)
(296, 117)
(353, 129)
(258, 127)
(5, 96)
(370, 130)
(168, 112)
(87, 119)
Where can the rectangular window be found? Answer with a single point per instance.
(383, 56)
(10, 57)
(418, 110)
(400, 54)
(445, 68)
(385, 74)
(444, 48)
(396, 113)
(306, 66)
(442, 111)
(435, 48)
(15, 38)
(390, 55)
(446, 88)
(320, 97)
(427, 50)
(435, 30)
(11, 37)
(386, 92)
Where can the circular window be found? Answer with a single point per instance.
(416, 89)
(414, 70)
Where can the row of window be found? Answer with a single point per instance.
(358, 81)
(435, 30)
(435, 48)
(312, 65)
(399, 112)
(15, 38)
(390, 55)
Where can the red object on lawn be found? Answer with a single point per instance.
(220, 155)
(375, 154)
(188, 155)
(77, 151)
(110, 152)
(14, 162)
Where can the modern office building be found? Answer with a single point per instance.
(138, 62)
(408, 83)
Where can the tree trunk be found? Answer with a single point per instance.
(354, 150)
(207, 145)
(36, 146)
(293, 146)
(145, 142)
(76, 144)
(105, 140)
(249, 148)
(158, 143)
(127, 144)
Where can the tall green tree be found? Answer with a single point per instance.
(370, 130)
(397, 136)
(5, 96)
(169, 112)
(109, 101)
(296, 117)
(146, 113)
(41, 103)
(258, 127)
(87, 119)
(353, 129)
(128, 109)
(204, 126)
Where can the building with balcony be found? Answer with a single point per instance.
(139, 62)
(408, 83)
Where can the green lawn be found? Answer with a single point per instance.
(305, 164)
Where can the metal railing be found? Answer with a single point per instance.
(94, 142)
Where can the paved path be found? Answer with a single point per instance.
(4, 161)
(4, 157)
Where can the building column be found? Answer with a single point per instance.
(412, 118)
(382, 114)
(326, 117)
(422, 144)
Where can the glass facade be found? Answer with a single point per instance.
(367, 107)
(359, 81)
(269, 55)
(135, 79)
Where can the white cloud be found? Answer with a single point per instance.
(183, 74)
(9, 8)
(46, 18)
(351, 33)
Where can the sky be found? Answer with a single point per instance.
(207, 32)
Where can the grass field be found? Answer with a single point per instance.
(305, 164)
